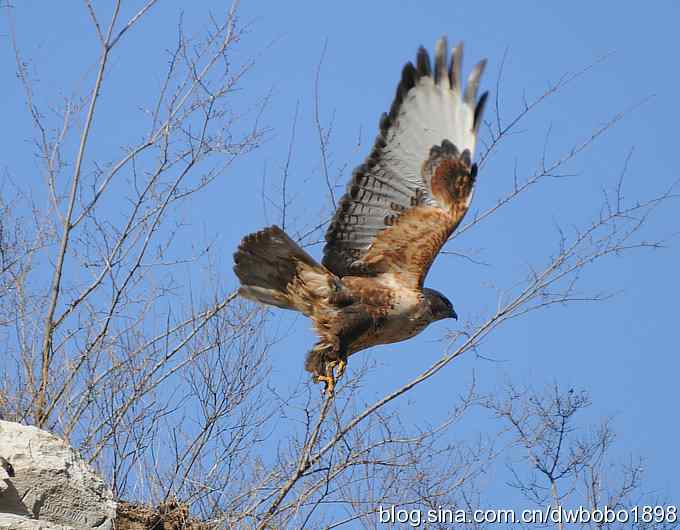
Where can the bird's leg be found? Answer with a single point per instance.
(329, 382)
(327, 376)
(331, 379)
(342, 366)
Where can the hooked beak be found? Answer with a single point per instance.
(453, 314)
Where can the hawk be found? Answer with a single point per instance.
(400, 207)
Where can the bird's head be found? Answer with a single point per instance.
(440, 306)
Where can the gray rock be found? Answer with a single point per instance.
(52, 487)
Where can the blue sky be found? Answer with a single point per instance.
(623, 351)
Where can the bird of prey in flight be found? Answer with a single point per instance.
(400, 207)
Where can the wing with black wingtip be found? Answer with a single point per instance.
(414, 188)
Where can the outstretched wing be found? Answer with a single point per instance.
(413, 190)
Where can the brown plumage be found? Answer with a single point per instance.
(401, 206)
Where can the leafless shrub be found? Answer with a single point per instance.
(565, 464)
(112, 349)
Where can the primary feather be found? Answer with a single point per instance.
(426, 111)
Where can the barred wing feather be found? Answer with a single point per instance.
(433, 119)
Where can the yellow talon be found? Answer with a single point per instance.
(329, 380)
(342, 366)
